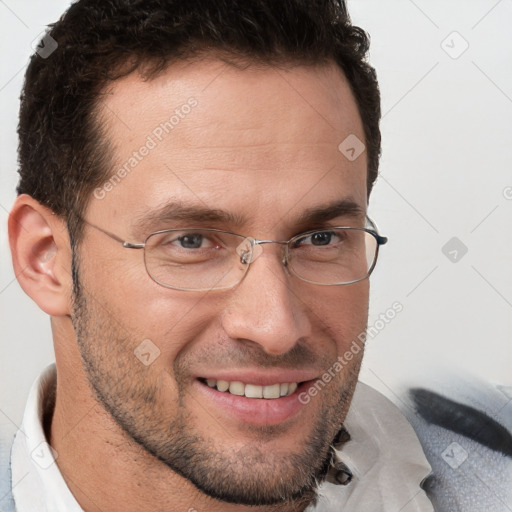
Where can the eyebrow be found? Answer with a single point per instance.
(320, 214)
(177, 211)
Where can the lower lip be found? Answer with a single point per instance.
(255, 411)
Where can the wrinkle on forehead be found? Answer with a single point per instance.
(224, 91)
(260, 140)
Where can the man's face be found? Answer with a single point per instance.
(262, 146)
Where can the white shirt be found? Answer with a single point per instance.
(384, 455)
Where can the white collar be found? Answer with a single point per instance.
(384, 455)
(37, 482)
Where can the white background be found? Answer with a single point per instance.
(446, 172)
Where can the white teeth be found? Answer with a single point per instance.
(222, 385)
(272, 391)
(237, 388)
(252, 390)
(292, 387)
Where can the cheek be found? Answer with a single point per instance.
(139, 309)
(342, 312)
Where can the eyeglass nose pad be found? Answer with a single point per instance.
(248, 251)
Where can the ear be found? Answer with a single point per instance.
(41, 255)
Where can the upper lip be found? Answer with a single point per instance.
(259, 378)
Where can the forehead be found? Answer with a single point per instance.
(260, 140)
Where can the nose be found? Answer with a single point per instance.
(266, 309)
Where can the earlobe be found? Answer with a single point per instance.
(41, 255)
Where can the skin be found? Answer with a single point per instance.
(262, 143)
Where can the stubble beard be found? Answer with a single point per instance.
(247, 476)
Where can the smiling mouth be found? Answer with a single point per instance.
(270, 392)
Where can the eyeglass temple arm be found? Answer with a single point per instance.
(381, 240)
(128, 245)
